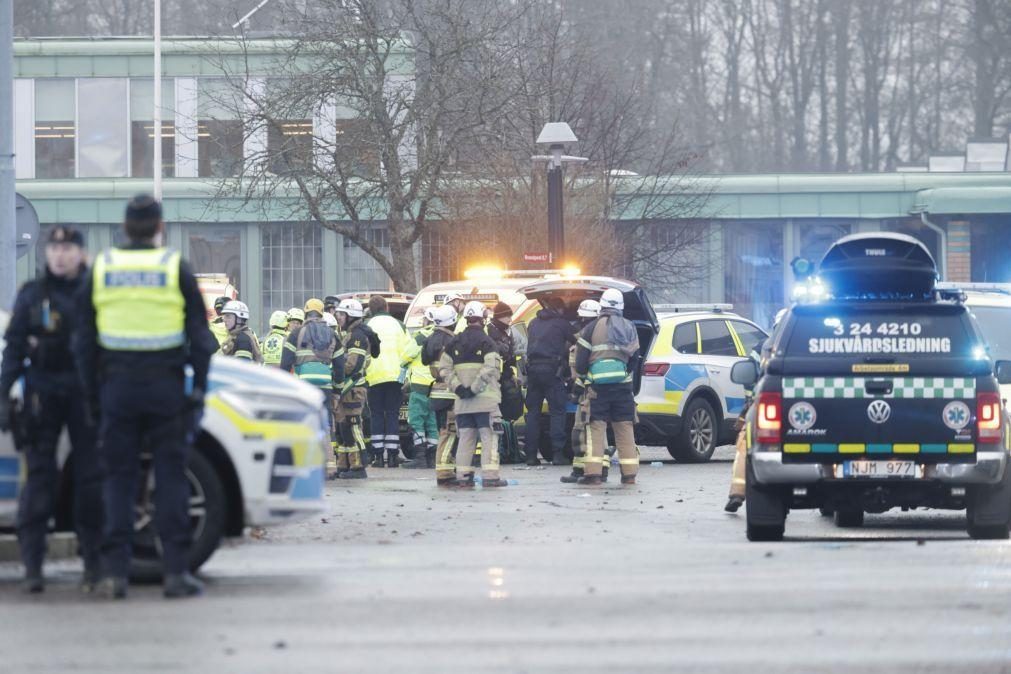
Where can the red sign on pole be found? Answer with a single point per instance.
(537, 257)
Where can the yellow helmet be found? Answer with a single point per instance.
(278, 319)
(314, 305)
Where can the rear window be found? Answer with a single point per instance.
(856, 332)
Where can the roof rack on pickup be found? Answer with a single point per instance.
(682, 308)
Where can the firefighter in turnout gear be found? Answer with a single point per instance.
(420, 417)
(471, 367)
(580, 396)
(296, 317)
(272, 346)
(37, 348)
(313, 354)
(441, 398)
(241, 342)
(607, 354)
(142, 323)
(349, 391)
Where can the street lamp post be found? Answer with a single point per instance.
(555, 135)
(8, 238)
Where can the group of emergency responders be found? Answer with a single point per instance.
(455, 370)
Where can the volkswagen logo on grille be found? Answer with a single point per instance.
(879, 411)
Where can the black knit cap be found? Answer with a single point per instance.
(502, 310)
(62, 234)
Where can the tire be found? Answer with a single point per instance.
(825, 511)
(849, 518)
(988, 513)
(697, 440)
(765, 510)
(208, 512)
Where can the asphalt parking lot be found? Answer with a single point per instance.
(545, 577)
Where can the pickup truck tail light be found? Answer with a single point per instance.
(988, 417)
(655, 369)
(769, 420)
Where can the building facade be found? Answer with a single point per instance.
(84, 139)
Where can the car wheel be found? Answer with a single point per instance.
(765, 510)
(849, 518)
(988, 511)
(207, 519)
(825, 511)
(699, 430)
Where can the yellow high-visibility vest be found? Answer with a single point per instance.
(138, 303)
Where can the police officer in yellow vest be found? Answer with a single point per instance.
(607, 354)
(385, 378)
(143, 321)
(272, 345)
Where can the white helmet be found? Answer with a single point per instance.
(612, 299)
(588, 309)
(330, 319)
(452, 297)
(444, 316)
(351, 307)
(239, 309)
(474, 309)
(430, 314)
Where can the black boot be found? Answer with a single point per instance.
(92, 576)
(446, 482)
(558, 458)
(181, 586)
(420, 459)
(628, 479)
(532, 459)
(603, 473)
(734, 503)
(377, 459)
(393, 457)
(33, 583)
(430, 456)
(573, 477)
(590, 480)
(353, 474)
(465, 482)
(113, 587)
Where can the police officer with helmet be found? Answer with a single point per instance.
(38, 348)
(142, 323)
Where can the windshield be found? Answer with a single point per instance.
(995, 322)
(883, 333)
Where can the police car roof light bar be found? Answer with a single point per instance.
(678, 308)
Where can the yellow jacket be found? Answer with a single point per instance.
(393, 344)
(219, 330)
(418, 372)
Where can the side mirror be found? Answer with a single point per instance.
(1003, 371)
(745, 373)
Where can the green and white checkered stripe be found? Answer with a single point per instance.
(903, 387)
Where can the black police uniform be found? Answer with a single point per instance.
(548, 340)
(144, 404)
(38, 348)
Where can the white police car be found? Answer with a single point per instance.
(687, 401)
(259, 460)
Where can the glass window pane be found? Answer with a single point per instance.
(292, 273)
(716, 339)
(750, 336)
(753, 268)
(685, 338)
(217, 250)
(217, 98)
(55, 128)
(102, 121)
(142, 99)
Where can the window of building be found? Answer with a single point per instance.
(142, 128)
(750, 336)
(219, 129)
(354, 151)
(753, 268)
(685, 338)
(217, 250)
(55, 128)
(361, 271)
(716, 339)
(289, 145)
(440, 259)
(292, 264)
(102, 123)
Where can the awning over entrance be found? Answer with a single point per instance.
(957, 200)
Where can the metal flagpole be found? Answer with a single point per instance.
(8, 225)
(157, 100)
